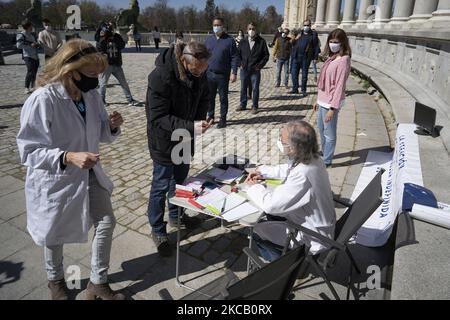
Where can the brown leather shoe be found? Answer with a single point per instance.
(58, 290)
(102, 291)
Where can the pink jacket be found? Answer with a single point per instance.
(332, 82)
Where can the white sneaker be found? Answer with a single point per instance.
(28, 91)
(134, 103)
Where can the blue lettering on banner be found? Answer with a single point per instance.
(402, 152)
(387, 193)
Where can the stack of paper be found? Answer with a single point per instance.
(220, 206)
(240, 212)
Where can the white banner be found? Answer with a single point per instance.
(402, 166)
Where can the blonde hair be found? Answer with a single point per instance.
(57, 68)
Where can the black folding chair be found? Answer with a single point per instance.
(356, 215)
(273, 281)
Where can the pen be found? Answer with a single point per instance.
(223, 206)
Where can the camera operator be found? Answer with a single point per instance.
(111, 44)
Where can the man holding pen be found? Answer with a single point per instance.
(177, 102)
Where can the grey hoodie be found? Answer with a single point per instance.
(24, 41)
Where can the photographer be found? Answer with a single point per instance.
(111, 44)
(27, 42)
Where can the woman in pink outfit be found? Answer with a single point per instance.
(331, 90)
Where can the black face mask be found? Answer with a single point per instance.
(86, 83)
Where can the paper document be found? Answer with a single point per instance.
(239, 212)
(221, 206)
(213, 196)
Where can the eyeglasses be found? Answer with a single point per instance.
(252, 29)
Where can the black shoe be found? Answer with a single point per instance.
(240, 109)
(304, 94)
(222, 124)
(210, 119)
(254, 110)
(294, 92)
(162, 244)
(186, 222)
(328, 166)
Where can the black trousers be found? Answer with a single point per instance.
(32, 69)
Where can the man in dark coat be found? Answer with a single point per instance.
(254, 55)
(176, 108)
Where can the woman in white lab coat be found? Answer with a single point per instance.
(305, 197)
(61, 126)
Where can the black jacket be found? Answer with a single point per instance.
(174, 101)
(256, 59)
(112, 47)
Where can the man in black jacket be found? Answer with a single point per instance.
(176, 108)
(111, 44)
(254, 55)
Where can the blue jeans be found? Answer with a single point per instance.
(269, 253)
(164, 180)
(302, 63)
(218, 83)
(117, 72)
(247, 78)
(280, 65)
(328, 134)
(101, 213)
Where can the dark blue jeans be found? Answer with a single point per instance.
(218, 83)
(247, 78)
(164, 180)
(268, 252)
(303, 63)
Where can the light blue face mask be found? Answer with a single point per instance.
(307, 29)
(217, 30)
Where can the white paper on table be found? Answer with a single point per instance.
(239, 212)
(431, 215)
(213, 196)
(231, 201)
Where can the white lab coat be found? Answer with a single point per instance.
(58, 200)
(305, 198)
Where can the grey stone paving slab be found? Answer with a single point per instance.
(13, 240)
(10, 184)
(12, 205)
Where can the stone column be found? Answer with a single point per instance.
(441, 17)
(321, 11)
(363, 15)
(334, 9)
(443, 10)
(383, 13)
(423, 10)
(349, 13)
(403, 10)
(287, 7)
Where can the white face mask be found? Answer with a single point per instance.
(251, 33)
(281, 147)
(335, 47)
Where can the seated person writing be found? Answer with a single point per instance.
(305, 197)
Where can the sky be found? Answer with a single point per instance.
(230, 4)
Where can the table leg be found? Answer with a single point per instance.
(250, 243)
(177, 263)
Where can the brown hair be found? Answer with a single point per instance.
(343, 39)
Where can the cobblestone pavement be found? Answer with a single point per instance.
(207, 251)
